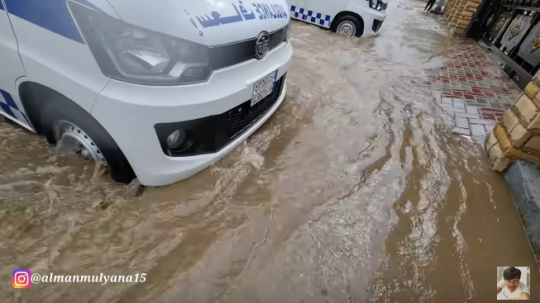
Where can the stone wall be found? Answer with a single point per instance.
(458, 14)
(518, 136)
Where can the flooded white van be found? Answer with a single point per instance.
(346, 17)
(159, 90)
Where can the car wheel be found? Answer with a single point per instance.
(75, 131)
(348, 26)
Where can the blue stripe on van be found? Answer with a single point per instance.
(8, 99)
(52, 15)
(8, 106)
(1, 6)
(6, 109)
(310, 16)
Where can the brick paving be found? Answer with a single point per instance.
(473, 89)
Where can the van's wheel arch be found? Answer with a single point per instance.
(58, 118)
(349, 24)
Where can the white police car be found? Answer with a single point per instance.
(346, 17)
(157, 89)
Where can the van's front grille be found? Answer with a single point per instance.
(230, 54)
(211, 134)
(244, 115)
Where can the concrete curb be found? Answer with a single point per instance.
(523, 179)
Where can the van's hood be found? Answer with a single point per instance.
(208, 22)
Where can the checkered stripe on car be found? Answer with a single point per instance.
(310, 16)
(8, 106)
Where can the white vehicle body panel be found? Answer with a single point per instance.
(11, 68)
(323, 12)
(170, 19)
(52, 51)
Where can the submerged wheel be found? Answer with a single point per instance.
(74, 130)
(71, 138)
(348, 26)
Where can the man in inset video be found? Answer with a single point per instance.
(510, 288)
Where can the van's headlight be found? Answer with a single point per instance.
(128, 53)
(375, 4)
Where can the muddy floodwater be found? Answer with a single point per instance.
(355, 191)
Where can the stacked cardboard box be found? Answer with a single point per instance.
(518, 137)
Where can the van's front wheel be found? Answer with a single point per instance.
(348, 26)
(75, 131)
(70, 138)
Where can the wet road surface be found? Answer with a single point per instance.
(355, 191)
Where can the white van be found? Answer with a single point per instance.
(346, 17)
(159, 89)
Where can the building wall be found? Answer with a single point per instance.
(458, 14)
(518, 136)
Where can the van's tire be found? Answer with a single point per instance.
(349, 26)
(60, 111)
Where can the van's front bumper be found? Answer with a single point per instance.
(130, 113)
(373, 21)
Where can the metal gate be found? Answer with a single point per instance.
(511, 28)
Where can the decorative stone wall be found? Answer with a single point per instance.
(458, 14)
(518, 136)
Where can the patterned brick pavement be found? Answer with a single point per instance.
(473, 89)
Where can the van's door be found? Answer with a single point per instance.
(11, 68)
(324, 11)
(318, 12)
(298, 8)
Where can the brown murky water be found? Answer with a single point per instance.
(354, 191)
